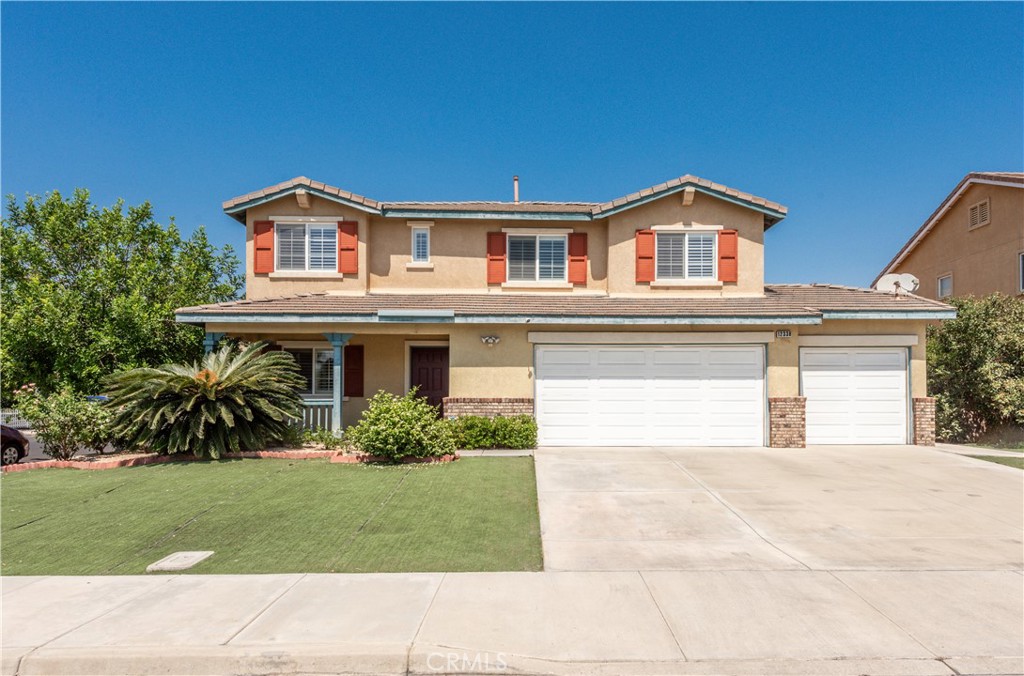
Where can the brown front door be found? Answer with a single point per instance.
(428, 370)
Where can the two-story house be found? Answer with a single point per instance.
(973, 243)
(643, 321)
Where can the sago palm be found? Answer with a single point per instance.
(229, 402)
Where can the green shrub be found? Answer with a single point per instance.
(64, 421)
(395, 427)
(473, 432)
(976, 367)
(227, 403)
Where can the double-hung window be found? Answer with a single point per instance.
(686, 255)
(536, 258)
(307, 246)
(420, 245)
(317, 367)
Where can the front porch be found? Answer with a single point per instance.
(343, 370)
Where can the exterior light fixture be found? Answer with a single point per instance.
(490, 341)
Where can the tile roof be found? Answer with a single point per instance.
(774, 211)
(781, 300)
(1007, 178)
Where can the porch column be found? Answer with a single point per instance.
(210, 341)
(338, 342)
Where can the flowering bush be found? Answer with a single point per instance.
(64, 421)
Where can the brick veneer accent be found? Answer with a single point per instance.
(924, 421)
(787, 422)
(488, 407)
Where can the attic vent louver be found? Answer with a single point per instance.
(978, 215)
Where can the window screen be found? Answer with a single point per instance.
(522, 258)
(291, 247)
(700, 255)
(323, 247)
(551, 261)
(421, 245)
(324, 371)
(671, 264)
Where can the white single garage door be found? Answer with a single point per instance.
(855, 395)
(650, 396)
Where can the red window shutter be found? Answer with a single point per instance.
(496, 252)
(263, 247)
(728, 247)
(578, 258)
(353, 371)
(348, 247)
(644, 256)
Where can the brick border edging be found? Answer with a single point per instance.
(114, 463)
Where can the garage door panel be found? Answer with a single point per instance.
(641, 396)
(855, 395)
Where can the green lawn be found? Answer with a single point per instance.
(1003, 460)
(274, 516)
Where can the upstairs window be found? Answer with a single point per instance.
(978, 215)
(536, 258)
(307, 246)
(945, 286)
(421, 245)
(1020, 272)
(686, 255)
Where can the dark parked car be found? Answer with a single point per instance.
(14, 446)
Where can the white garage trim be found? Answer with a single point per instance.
(650, 338)
(856, 395)
(643, 395)
(858, 341)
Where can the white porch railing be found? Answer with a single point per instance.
(317, 414)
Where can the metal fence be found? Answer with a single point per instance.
(11, 418)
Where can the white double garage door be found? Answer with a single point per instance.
(612, 395)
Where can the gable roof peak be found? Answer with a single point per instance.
(773, 211)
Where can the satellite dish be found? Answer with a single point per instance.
(897, 284)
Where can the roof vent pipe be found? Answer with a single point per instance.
(515, 189)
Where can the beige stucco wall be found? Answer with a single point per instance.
(289, 283)
(458, 253)
(705, 209)
(784, 356)
(506, 370)
(982, 260)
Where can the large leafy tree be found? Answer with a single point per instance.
(88, 291)
(976, 367)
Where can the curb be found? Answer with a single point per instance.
(391, 658)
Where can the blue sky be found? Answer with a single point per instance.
(859, 117)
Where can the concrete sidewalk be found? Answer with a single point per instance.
(664, 622)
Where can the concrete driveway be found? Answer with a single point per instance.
(824, 508)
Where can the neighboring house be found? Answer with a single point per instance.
(643, 321)
(973, 244)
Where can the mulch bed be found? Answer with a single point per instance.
(94, 462)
